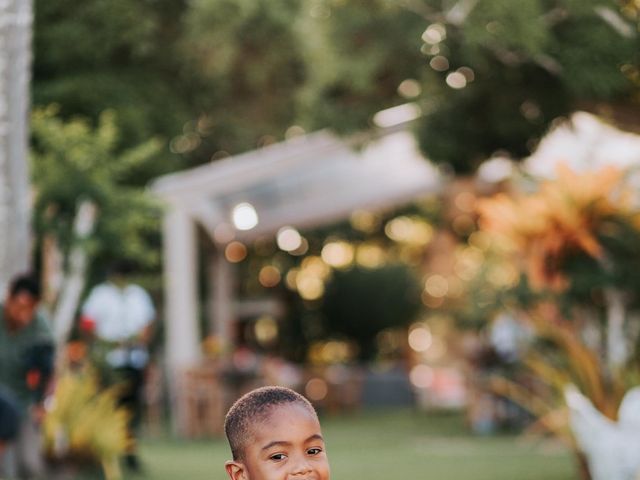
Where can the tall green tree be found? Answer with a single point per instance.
(208, 76)
(74, 161)
(117, 55)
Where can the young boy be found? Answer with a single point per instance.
(274, 434)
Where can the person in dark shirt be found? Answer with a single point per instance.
(26, 365)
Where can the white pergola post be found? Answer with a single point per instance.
(182, 336)
(222, 277)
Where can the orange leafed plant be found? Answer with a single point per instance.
(563, 217)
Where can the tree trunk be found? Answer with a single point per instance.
(74, 281)
(15, 59)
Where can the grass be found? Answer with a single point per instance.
(384, 446)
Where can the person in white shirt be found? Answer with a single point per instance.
(119, 316)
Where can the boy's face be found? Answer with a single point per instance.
(287, 445)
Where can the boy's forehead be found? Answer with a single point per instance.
(281, 415)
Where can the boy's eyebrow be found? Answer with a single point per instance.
(276, 443)
(315, 436)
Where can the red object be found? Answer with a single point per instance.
(87, 324)
(33, 379)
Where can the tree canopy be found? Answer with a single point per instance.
(188, 82)
(217, 78)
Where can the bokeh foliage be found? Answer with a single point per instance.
(220, 77)
(74, 161)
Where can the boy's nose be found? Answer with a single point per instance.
(301, 467)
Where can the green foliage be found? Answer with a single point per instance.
(621, 239)
(72, 161)
(226, 76)
(249, 63)
(357, 53)
(468, 126)
(530, 62)
(360, 302)
(101, 55)
(498, 26)
(213, 76)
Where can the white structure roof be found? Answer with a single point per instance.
(304, 182)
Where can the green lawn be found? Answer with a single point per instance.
(385, 446)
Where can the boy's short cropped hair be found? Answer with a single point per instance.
(254, 407)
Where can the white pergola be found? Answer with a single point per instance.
(304, 182)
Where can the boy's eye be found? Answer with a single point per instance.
(277, 456)
(314, 451)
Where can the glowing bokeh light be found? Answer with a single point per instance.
(244, 216)
(235, 252)
(302, 249)
(338, 254)
(437, 286)
(435, 33)
(409, 230)
(288, 239)
(468, 73)
(314, 265)
(316, 389)
(420, 338)
(269, 276)
(409, 88)
(309, 287)
(456, 80)
(439, 63)
(266, 330)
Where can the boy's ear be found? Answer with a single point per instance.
(236, 470)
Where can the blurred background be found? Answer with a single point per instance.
(421, 214)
